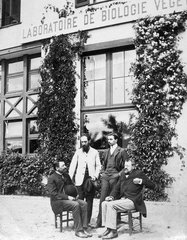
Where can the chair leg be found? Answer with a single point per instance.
(55, 220)
(130, 222)
(140, 222)
(60, 222)
(67, 218)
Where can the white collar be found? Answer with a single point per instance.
(114, 146)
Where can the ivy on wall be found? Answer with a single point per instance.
(56, 116)
(158, 95)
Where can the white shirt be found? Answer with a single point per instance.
(112, 148)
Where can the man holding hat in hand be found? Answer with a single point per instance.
(63, 197)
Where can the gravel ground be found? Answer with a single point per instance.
(31, 218)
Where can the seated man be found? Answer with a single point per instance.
(129, 187)
(61, 200)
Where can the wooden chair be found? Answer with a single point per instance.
(65, 216)
(131, 218)
(132, 215)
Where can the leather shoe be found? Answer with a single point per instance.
(105, 233)
(87, 233)
(81, 234)
(112, 234)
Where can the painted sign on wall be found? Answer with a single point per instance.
(105, 14)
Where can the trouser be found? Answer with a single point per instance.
(109, 211)
(79, 212)
(107, 185)
(89, 197)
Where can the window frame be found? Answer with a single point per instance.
(109, 96)
(13, 19)
(109, 107)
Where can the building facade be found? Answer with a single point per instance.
(108, 55)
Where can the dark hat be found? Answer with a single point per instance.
(88, 185)
(70, 190)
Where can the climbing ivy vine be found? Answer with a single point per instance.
(158, 95)
(56, 116)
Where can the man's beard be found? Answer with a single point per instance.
(85, 148)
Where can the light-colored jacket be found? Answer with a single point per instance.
(78, 165)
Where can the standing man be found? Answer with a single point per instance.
(85, 164)
(129, 187)
(63, 197)
(114, 160)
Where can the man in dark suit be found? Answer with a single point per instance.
(63, 197)
(129, 188)
(114, 159)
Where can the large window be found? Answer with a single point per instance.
(19, 103)
(106, 96)
(11, 12)
(108, 80)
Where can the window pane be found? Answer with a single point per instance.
(13, 114)
(34, 81)
(13, 129)
(89, 92)
(7, 107)
(15, 67)
(100, 93)
(95, 67)
(95, 86)
(34, 111)
(118, 64)
(11, 13)
(33, 128)
(33, 145)
(98, 125)
(14, 84)
(35, 63)
(130, 57)
(118, 91)
(14, 145)
(128, 89)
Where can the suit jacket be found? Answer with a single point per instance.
(79, 162)
(120, 155)
(55, 186)
(126, 188)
